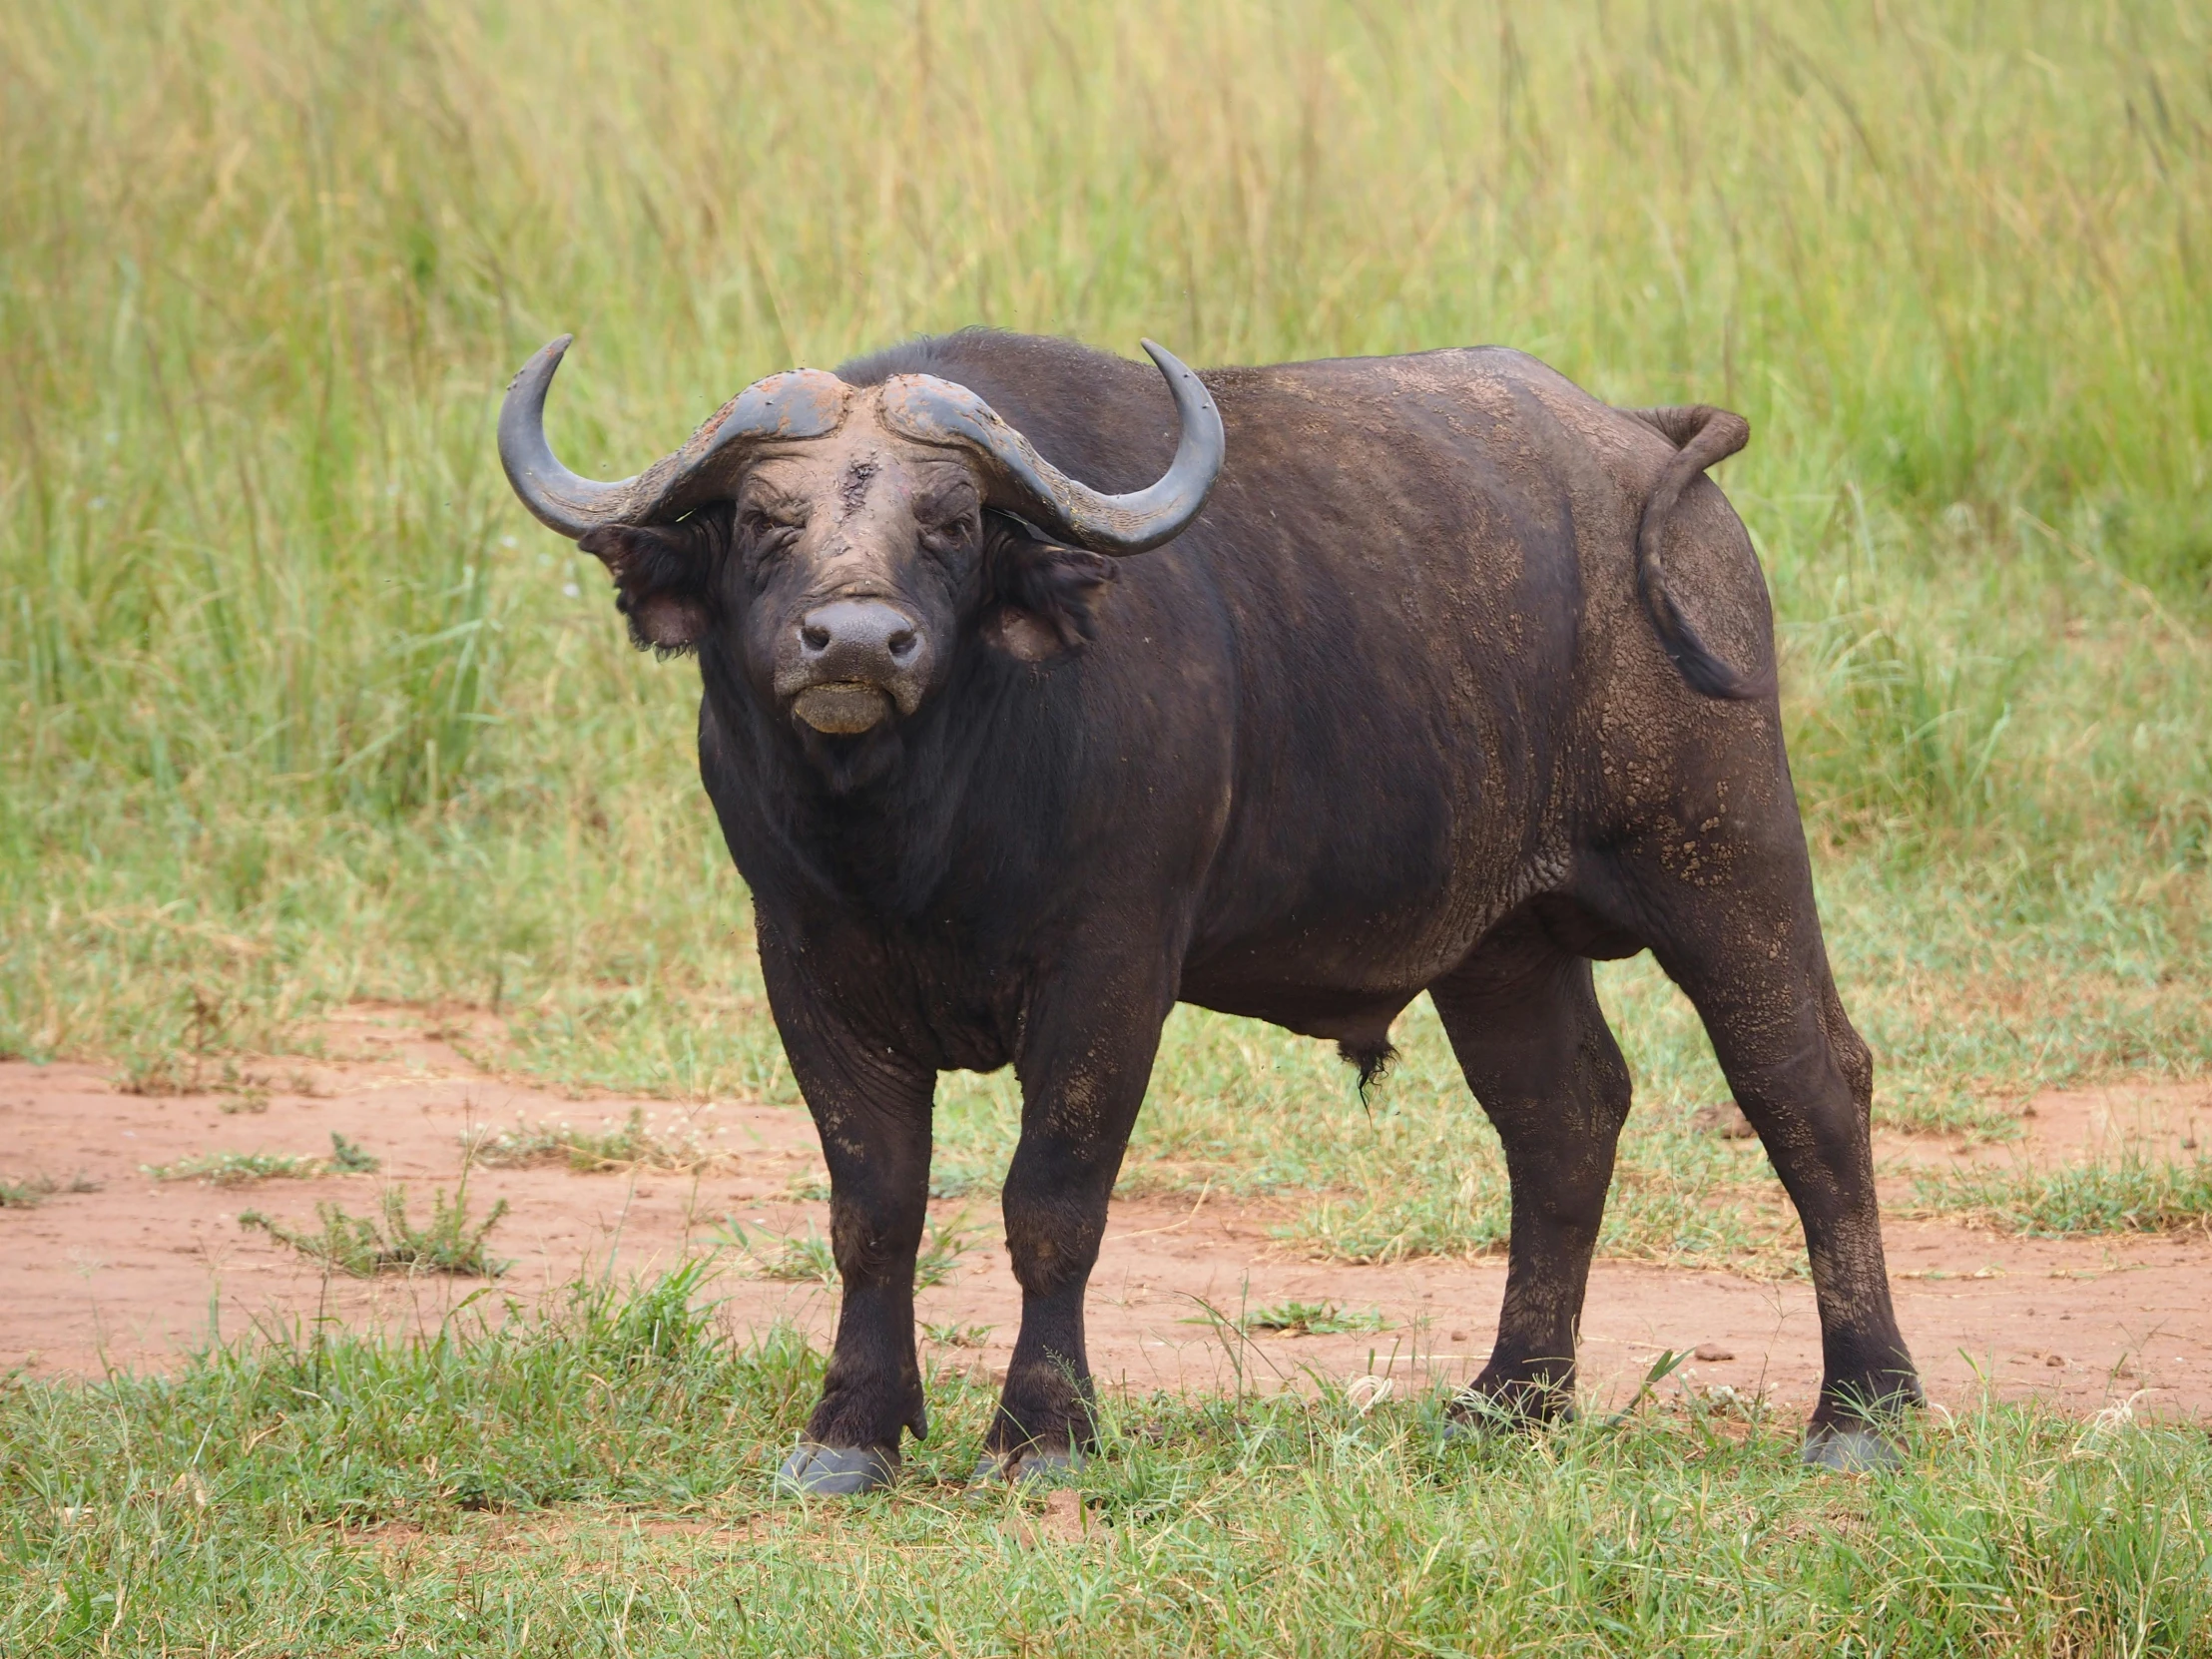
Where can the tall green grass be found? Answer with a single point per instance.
(295, 704)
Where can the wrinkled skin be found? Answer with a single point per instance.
(1387, 718)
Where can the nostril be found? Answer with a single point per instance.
(815, 637)
(902, 643)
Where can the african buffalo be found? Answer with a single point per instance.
(1405, 696)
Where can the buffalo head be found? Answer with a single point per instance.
(842, 541)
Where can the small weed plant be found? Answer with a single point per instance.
(957, 1335)
(349, 1157)
(938, 1261)
(390, 1241)
(34, 1190)
(808, 1258)
(793, 1257)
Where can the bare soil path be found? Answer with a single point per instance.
(138, 1271)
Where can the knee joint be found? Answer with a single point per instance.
(1050, 1249)
(868, 1239)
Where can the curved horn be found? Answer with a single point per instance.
(798, 403)
(930, 410)
(560, 499)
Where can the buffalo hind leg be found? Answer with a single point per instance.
(1524, 1021)
(1750, 957)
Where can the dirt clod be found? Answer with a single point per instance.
(1063, 1521)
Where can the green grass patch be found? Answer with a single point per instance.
(1311, 1319)
(2133, 1193)
(390, 1241)
(808, 1259)
(600, 1480)
(238, 1169)
(639, 1141)
(245, 1168)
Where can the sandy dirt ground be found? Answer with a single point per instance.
(138, 1271)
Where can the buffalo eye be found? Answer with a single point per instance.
(952, 535)
(950, 522)
(771, 526)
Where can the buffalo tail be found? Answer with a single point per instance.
(1702, 435)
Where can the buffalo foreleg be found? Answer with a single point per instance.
(872, 1108)
(1086, 1056)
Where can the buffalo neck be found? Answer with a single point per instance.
(956, 800)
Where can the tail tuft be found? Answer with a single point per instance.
(1373, 1057)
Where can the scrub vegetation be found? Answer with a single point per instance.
(297, 706)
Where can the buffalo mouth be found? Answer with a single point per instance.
(842, 708)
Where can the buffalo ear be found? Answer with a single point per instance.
(663, 622)
(1051, 592)
(661, 574)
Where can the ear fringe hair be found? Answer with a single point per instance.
(661, 575)
(1059, 583)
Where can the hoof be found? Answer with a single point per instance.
(837, 1471)
(1476, 1416)
(1469, 1425)
(1849, 1449)
(1035, 1466)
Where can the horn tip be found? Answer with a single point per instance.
(1168, 364)
(549, 354)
